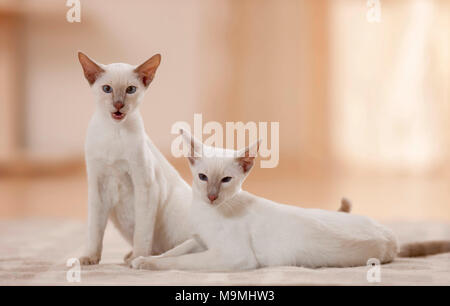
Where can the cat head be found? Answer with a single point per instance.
(218, 174)
(119, 87)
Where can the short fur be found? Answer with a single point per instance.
(129, 180)
(242, 231)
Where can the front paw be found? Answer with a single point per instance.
(89, 260)
(143, 263)
(129, 257)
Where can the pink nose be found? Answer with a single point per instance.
(118, 105)
(212, 197)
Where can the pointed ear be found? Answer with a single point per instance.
(147, 70)
(246, 157)
(195, 146)
(90, 68)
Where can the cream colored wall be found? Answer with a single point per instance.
(389, 94)
(280, 62)
(317, 67)
(9, 99)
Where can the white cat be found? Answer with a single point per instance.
(242, 231)
(129, 180)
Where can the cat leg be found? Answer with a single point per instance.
(209, 260)
(189, 246)
(145, 209)
(97, 218)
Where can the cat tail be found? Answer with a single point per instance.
(415, 249)
(346, 206)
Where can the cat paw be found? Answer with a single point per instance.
(142, 263)
(129, 258)
(137, 262)
(89, 260)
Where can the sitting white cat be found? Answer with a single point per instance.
(239, 230)
(129, 180)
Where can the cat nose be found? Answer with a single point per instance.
(118, 105)
(212, 197)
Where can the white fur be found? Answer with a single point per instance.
(129, 180)
(243, 231)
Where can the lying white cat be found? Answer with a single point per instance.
(242, 231)
(129, 180)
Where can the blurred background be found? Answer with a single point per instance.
(363, 106)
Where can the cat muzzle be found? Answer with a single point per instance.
(118, 115)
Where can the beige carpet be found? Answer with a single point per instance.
(34, 252)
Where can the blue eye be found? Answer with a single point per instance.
(131, 89)
(226, 179)
(107, 89)
(202, 177)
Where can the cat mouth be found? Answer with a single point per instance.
(118, 115)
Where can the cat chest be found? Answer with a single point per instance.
(114, 149)
(115, 183)
(213, 229)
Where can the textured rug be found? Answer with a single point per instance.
(35, 252)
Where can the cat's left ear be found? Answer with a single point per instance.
(246, 157)
(147, 70)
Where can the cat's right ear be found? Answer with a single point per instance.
(90, 68)
(195, 146)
